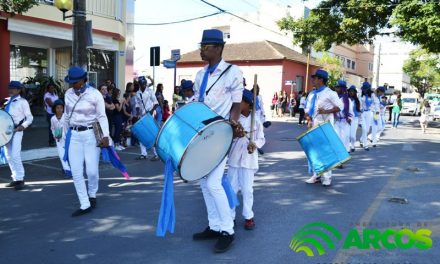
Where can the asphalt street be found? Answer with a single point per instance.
(36, 227)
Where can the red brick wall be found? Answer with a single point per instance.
(4, 58)
(291, 70)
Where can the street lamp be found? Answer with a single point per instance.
(64, 6)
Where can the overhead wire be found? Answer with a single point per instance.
(174, 22)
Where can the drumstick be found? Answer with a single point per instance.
(251, 134)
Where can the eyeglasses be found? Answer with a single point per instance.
(205, 47)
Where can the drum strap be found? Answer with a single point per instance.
(209, 89)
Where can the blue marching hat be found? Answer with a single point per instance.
(321, 74)
(212, 36)
(366, 86)
(15, 85)
(186, 85)
(248, 96)
(75, 74)
(352, 87)
(381, 88)
(341, 83)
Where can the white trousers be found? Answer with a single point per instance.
(82, 150)
(243, 179)
(342, 128)
(60, 148)
(353, 129)
(216, 201)
(13, 155)
(144, 150)
(367, 123)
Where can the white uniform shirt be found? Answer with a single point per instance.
(90, 108)
(56, 123)
(327, 99)
(146, 100)
(239, 156)
(302, 102)
(20, 110)
(225, 92)
(374, 105)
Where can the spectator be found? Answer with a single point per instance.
(302, 105)
(129, 87)
(117, 119)
(160, 100)
(49, 98)
(127, 118)
(176, 97)
(109, 106)
(424, 117)
(292, 105)
(397, 107)
(274, 106)
(166, 111)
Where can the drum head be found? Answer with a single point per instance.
(6, 128)
(206, 151)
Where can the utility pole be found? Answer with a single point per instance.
(307, 72)
(79, 42)
(378, 65)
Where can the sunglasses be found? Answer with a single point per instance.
(205, 47)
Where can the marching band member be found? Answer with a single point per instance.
(379, 119)
(84, 107)
(18, 108)
(243, 160)
(187, 90)
(344, 117)
(322, 104)
(146, 103)
(220, 86)
(58, 129)
(370, 111)
(356, 106)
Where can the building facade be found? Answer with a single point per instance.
(39, 42)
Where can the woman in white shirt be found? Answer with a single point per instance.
(84, 107)
(19, 109)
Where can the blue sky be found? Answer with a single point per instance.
(184, 35)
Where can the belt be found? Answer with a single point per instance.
(81, 128)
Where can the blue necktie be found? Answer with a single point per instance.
(312, 106)
(367, 103)
(8, 105)
(208, 71)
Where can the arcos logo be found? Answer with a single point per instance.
(317, 236)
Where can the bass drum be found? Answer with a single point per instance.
(6, 128)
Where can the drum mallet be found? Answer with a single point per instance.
(251, 133)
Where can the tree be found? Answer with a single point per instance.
(17, 6)
(359, 21)
(334, 68)
(423, 68)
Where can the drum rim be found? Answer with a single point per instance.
(334, 166)
(310, 130)
(12, 124)
(191, 141)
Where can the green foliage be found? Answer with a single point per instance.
(17, 6)
(359, 21)
(334, 68)
(38, 84)
(423, 68)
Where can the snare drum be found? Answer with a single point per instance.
(196, 139)
(6, 128)
(146, 130)
(323, 147)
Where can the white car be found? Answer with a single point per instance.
(436, 112)
(411, 106)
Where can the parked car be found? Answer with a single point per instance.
(435, 112)
(410, 104)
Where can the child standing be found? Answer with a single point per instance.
(19, 109)
(243, 159)
(166, 111)
(58, 128)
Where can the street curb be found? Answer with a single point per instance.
(35, 154)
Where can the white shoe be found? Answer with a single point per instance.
(313, 179)
(327, 182)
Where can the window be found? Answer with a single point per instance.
(353, 65)
(348, 63)
(370, 66)
(343, 61)
(27, 62)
